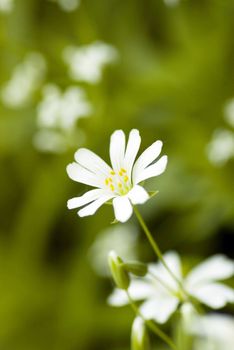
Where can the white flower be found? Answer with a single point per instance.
(172, 3)
(119, 182)
(214, 332)
(162, 295)
(122, 238)
(62, 110)
(69, 5)
(221, 147)
(6, 5)
(26, 78)
(86, 62)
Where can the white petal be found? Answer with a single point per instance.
(147, 157)
(159, 309)
(138, 290)
(92, 162)
(79, 174)
(117, 149)
(132, 149)
(217, 267)
(88, 197)
(138, 195)
(153, 170)
(94, 206)
(122, 208)
(215, 295)
(172, 260)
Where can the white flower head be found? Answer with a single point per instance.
(26, 79)
(6, 5)
(122, 238)
(214, 331)
(68, 5)
(120, 182)
(221, 147)
(86, 62)
(62, 109)
(161, 295)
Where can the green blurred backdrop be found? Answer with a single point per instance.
(172, 78)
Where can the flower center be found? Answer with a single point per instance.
(118, 182)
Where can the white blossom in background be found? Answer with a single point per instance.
(87, 62)
(68, 5)
(213, 332)
(57, 115)
(171, 3)
(161, 294)
(6, 5)
(26, 79)
(122, 238)
(62, 109)
(229, 112)
(119, 183)
(221, 147)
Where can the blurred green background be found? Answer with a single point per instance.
(172, 77)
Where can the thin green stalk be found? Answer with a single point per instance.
(156, 247)
(154, 328)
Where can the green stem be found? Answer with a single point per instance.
(156, 247)
(154, 328)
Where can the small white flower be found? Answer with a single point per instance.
(86, 62)
(221, 147)
(172, 3)
(162, 295)
(213, 331)
(69, 5)
(26, 79)
(62, 110)
(121, 182)
(6, 5)
(122, 238)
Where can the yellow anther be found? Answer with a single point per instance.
(112, 187)
(120, 185)
(112, 172)
(106, 181)
(125, 178)
(110, 179)
(123, 170)
(120, 173)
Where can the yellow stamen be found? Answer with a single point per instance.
(120, 185)
(123, 170)
(112, 172)
(110, 179)
(112, 187)
(107, 182)
(125, 178)
(120, 173)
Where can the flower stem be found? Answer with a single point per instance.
(155, 246)
(154, 328)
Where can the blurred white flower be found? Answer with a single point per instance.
(229, 112)
(62, 110)
(121, 238)
(119, 182)
(161, 294)
(86, 62)
(68, 5)
(213, 332)
(6, 5)
(26, 79)
(172, 3)
(221, 147)
(50, 141)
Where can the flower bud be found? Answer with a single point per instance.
(139, 336)
(136, 268)
(119, 274)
